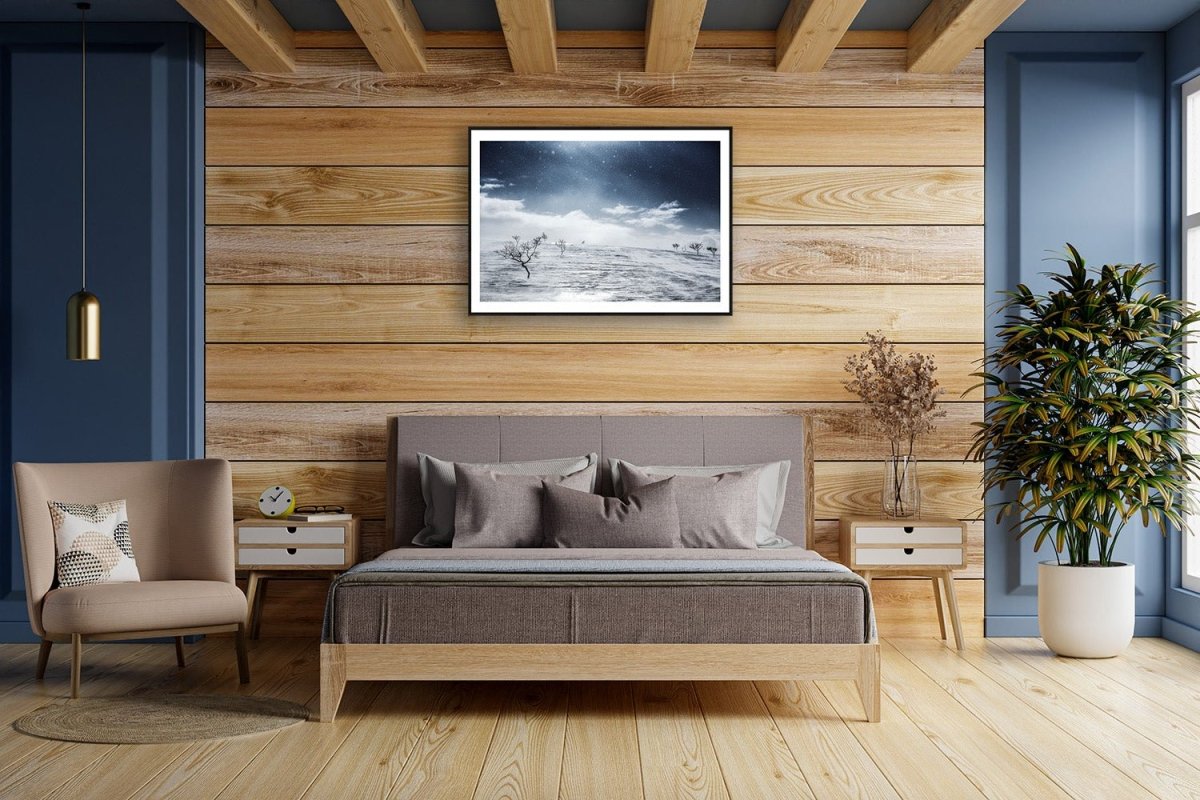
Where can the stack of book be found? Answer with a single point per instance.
(321, 516)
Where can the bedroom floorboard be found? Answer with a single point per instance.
(1004, 719)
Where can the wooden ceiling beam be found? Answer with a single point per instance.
(671, 30)
(391, 30)
(810, 30)
(253, 30)
(948, 30)
(530, 34)
(603, 40)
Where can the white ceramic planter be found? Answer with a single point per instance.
(1086, 612)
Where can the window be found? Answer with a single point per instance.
(1191, 280)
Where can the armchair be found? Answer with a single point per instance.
(181, 525)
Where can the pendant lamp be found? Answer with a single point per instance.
(83, 307)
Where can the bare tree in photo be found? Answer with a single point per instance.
(562, 247)
(522, 252)
(695, 247)
(712, 251)
(676, 245)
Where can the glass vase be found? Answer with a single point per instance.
(901, 490)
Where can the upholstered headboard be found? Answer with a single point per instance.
(662, 440)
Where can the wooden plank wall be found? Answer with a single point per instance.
(337, 257)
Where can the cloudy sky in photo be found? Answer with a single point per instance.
(621, 194)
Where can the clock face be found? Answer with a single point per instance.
(276, 501)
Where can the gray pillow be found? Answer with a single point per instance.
(648, 517)
(772, 491)
(494, 509)
(720, 511)
(437, 487)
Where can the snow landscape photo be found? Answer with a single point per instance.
(600, 221)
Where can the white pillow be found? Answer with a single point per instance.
(92, 543)
(772, 489)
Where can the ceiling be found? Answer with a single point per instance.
(1034, 15)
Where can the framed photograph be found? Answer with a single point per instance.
(600, 221)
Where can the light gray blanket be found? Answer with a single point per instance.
(533, 560)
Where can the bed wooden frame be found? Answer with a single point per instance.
(341, 663)
(598, 662)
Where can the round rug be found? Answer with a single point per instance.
(157, 719)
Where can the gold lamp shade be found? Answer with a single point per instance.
(83, 327)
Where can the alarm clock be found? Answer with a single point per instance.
(276, 502)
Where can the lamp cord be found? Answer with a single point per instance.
(83, 7)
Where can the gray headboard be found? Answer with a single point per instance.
(642, 440)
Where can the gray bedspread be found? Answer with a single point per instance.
(416, 595)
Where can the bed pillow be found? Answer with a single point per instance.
(494, 509)
(772, 491)
(438, 489)
(719, 511)
(647, 517)
(92, 543)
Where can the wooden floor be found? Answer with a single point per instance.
(1004, 720)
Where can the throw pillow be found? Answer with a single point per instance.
(494, 509)
(438, 489)
(647, 517)
(720, 511)
(772, 491)
(92, 543)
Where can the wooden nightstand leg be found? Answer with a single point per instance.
(253, 589)
(952, 602)
(937, 600)
(263, 582)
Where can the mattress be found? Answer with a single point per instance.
(598, 596)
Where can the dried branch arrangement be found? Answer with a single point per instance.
(899, 392)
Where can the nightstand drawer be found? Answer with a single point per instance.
(291, 556)
(908, 556)
(907, 535)
(290, 535)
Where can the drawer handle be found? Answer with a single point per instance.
(291, 528)
(908, 551)
(907, 529)
(291, 551)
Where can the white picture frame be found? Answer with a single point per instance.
(601, 220)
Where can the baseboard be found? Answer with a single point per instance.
(1025, 627)
(1181, 633)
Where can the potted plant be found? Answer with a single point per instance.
(1087, 427)
(899, 400)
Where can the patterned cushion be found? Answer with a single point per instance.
(92, 542)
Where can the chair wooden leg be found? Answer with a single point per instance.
(43, 658)
(242, 659)
(76, 662)
(179, 659)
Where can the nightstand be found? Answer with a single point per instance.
(924, 548)
(275, 548)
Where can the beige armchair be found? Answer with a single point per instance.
(181, 525)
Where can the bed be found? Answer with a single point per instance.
(599, 614)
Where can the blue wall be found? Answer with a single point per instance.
(1183, 63)
(144, 398)
(1074, 152)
